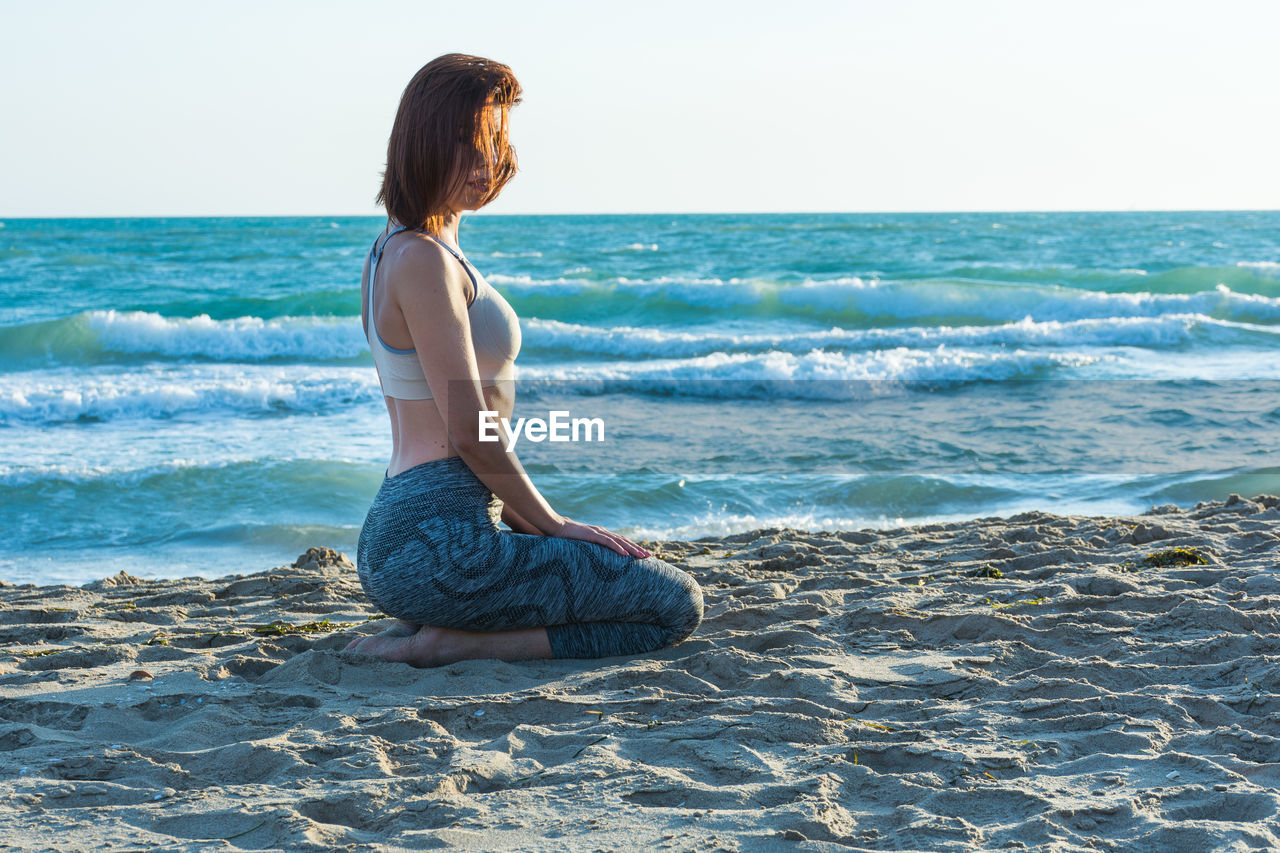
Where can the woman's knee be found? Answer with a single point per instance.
(684, 613)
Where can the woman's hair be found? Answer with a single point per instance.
(452, 114)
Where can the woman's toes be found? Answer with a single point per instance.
(426, 646)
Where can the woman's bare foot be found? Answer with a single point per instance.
(430, 646)
(426, 646)
(399, 628)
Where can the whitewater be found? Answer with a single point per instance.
(194, 396)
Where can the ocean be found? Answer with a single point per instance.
(195, 396)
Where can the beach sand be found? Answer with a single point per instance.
(1001, 683)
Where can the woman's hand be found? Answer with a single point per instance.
(571, 529)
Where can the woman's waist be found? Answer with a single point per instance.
(446, 474)
(420, 434)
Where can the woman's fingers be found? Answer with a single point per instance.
(635, 549)
(608, 540)
(623, 545)
(597, 534)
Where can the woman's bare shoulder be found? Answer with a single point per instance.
(421, 261)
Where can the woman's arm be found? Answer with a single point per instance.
(518, 524)
(429, 287)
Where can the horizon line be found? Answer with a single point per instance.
(969, 212)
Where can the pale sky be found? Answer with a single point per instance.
(257, 108)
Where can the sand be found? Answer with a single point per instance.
(1002, 683)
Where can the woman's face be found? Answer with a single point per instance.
(478, 165)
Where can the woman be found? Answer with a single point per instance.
(444, 342)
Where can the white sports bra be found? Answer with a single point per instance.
(495, 333)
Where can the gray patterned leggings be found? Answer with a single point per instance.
(431, 552)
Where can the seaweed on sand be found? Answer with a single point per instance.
(1174, 557)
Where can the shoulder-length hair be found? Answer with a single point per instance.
(452, 114)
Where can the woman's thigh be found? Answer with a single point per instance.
(576, 582)
(488, 579)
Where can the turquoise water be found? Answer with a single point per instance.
(195, 396)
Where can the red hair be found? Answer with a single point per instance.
(452, 115)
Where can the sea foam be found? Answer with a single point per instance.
(94, 336)
(38, 397)
(1172, 330)
(244, 338)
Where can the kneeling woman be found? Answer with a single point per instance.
(444, 342)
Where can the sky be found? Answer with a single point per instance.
(275, 107)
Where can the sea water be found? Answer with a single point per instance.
(196, 397)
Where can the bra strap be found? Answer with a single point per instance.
(375, 256)
(447, 248)
(466, 265)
